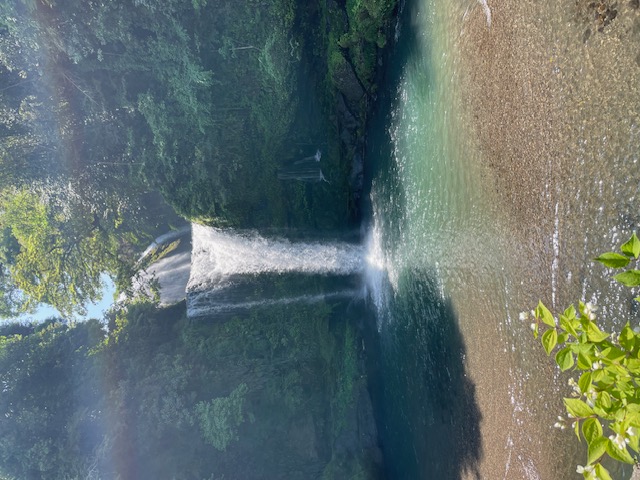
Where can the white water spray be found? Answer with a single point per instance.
(220, 257)
(200, 305)
(217, 253)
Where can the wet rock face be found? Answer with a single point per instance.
(596, 15)
(347, 82)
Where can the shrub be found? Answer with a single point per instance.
(604, 406)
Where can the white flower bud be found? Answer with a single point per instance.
(589, 308)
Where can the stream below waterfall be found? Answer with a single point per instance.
(461, 389)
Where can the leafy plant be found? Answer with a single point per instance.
(221, 417)
(604, 406)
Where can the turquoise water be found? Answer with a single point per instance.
(424, 199)
(462, 389)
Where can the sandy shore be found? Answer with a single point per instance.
(553, 104)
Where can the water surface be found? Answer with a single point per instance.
(455, 251)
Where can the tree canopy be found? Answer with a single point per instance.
(204, 102)
(55, 255)
(160, 397)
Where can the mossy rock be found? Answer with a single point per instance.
(345, 80)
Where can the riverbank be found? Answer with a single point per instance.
(552, 96)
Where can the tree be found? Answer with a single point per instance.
(55, 255)
(50, 422)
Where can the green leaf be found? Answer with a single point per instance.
(632, 247)
(594, 334)
(584, 361)
(603, 400)
(576, 429)
(601, 472)
(622, 455)
(564, 359)
(570, 312)
(597, 448)
(613, 260)
(585, 382)
(569, 325)
(598, 375)
(632, 419)
(633, 365)
(633, 408)
(544, 314)
(591, 429)
(549, 340)
(617, 370)
(577, 408)
(627, 338)
(630, 278)
(614, 354)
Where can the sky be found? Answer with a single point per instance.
(94, 310)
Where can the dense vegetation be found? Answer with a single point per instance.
(105, 106)
(196, 100)
(159, 397)
(104, 102)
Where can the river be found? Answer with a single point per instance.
(502, 159)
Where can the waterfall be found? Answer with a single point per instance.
(305, 170)
(170, 272)
(165, 238)
(231, 270)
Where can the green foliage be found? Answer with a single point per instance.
(220, 418)
(604, 408)
(162, 397)
(60, 255)
(200, 103)
(368, 28)
(44, 433)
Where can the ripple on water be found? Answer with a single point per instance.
(513, 164)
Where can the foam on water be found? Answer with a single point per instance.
(220, 260)
(217, 253)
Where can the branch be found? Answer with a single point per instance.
(75, 85)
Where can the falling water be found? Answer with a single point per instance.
(165, 238)
(305, 170)
(232, 270)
